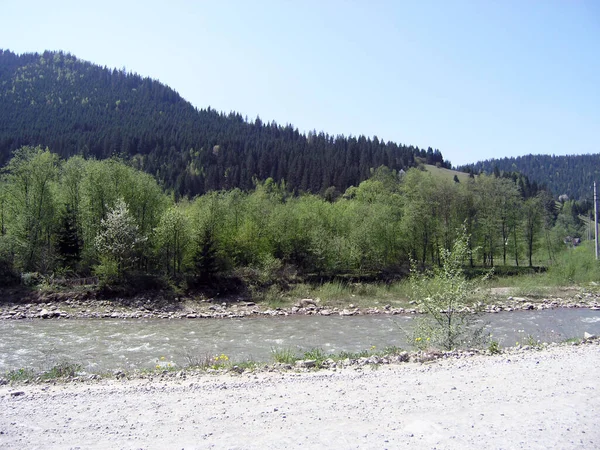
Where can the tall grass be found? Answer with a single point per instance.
(576, 266)
(337, 293)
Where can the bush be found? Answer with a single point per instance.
(446, 297)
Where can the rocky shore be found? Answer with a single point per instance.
(85, 305)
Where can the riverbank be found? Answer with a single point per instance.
(524, 399)
(85, 304)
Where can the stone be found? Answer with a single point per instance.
(325, 312)
(305, 302)
(306, 363)
(589, 336)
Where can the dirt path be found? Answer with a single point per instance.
(537, 399)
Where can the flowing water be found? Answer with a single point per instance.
(127, 344)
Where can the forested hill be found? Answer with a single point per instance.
(573, 175)
(75, 107)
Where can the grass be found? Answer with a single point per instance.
(317, 354)
(341, 294)
(442, 172)
(284, 355)
(59, 371)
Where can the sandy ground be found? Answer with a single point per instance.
(536, 399)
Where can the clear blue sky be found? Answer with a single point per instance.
(476, 79)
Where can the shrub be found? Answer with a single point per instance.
(446, 297)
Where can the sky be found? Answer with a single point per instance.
(475, 79)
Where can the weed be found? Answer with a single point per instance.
(220, 361)
(20, 375)
(62, 370)
(494, 347)
(283, 355)
(315, 353)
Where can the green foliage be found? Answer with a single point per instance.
(284, 355)
(172, 238)
(31, 210)
(446, 298)
(64, 369)
(575, 266)
(21, 374)
(494, 347)
(71, 216)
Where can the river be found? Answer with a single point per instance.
(101, 344)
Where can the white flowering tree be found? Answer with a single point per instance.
(118, 242)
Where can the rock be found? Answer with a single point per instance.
(325, 312)
(404, 357)
(305, 302)
(17, 393)
(589, 336)
(306, 363)
(347, 312)
(192, 316)
(44, 314)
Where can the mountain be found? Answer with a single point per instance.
(73, 107)
(572, 175)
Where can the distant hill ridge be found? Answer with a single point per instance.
(573, 175)
(73, 107)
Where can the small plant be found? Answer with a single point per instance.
(200, 362)
(350, 355)
(531, 341)
(163, 364)
(283, 355)
(494, 347)
(315, 353)
(220, 361)
(241, 366)
(391, 350)
(62, 370)
(20, 374)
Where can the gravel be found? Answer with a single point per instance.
(536, 399)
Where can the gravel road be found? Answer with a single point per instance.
(536, 399)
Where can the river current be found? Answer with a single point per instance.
(101, 344)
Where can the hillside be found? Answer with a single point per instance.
(75, 107)
(572, 175)
(449, 174)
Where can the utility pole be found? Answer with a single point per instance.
(595, 221)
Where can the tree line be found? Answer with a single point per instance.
(79, 216)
